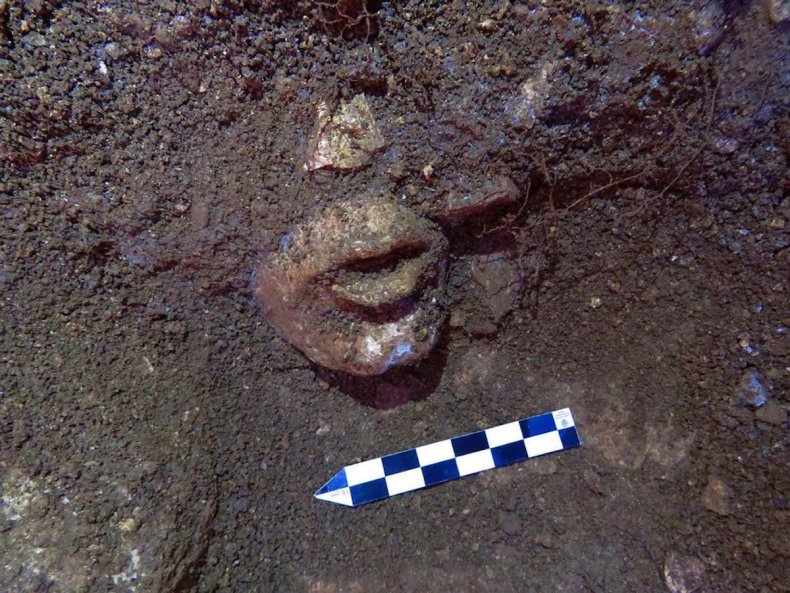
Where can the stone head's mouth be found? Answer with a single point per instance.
(384, 288)
(359, 286)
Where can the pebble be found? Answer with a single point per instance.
(778, 10)
(751, 390)
(510, 524)
(772, 413)
(726, 145)
(488, 25)
(344, 139)
(35, 39)
(684, 574)
(153, 52)
(593, 481)
(716, 496)
(546, 540)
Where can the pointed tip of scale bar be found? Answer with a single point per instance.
(336, 490)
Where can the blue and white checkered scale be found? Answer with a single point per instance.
(453, 458)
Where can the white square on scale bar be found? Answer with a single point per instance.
(435, 452)
(543, 443)
(366, 471)
(475, 462)
(405, 481)
(505, 434)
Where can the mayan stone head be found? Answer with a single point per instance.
(358, 287)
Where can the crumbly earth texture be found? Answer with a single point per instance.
(157, 435)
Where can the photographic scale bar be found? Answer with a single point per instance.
(420, 467)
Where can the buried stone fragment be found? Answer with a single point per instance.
(461, 203)
(346, 139)
(359, 286)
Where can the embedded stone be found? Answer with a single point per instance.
(685, 574)
(359, 287)
(459, 205)
(345, 139)
(717, 495)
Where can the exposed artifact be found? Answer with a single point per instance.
(458, 206)
(358, 287)
(346, 139)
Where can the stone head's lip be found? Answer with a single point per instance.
(375, 290)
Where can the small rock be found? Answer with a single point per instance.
(751, 390)
(684, 574)
(323, 428)
(35, 39)
(778, 10)
(499, 278)
(716, 496)
(345, 139)
(153, 52)
(546, 540)
(462, 202)
(593, 481)
(725, 145)
(526, 106)
(128, 524)
(114, 50)
(487, 25)
(772, 413)
(510, 524)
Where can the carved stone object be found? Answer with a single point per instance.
(359, 286)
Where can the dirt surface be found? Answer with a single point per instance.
(156, 435)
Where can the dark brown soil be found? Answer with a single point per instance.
(157, 436)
